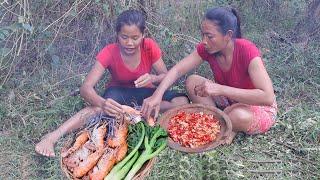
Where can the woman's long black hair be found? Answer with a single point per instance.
(131, 17)
(226, 19)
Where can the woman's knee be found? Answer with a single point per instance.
(181, 100)
(241, 117)
(192, 81)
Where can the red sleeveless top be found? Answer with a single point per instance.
(237, 76)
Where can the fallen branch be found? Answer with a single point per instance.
(264, 161)
(296, 150)
(264, 171)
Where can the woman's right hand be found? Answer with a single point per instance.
(151, 104)
(111, 107)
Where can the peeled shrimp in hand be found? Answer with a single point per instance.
(130, 110)
(133, 113)
(151, 121)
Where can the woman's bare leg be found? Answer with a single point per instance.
(241, 118)
(46, 146)
(191, 82)
(177, 101)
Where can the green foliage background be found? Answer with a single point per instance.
(47, 47)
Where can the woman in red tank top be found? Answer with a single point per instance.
(241, 85)
(129, 62)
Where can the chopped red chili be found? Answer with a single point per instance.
(193, 129)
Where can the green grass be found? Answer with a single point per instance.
(35, 96)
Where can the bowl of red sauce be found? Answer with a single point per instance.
(195, 128)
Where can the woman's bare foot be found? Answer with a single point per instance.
(230, 138)
(46, 146)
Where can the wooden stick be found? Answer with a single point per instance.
(265, 161)
(264, 171)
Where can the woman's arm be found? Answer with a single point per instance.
(161, 71)
(148, 78)
(181, 68)
(263, 94)
(187, 64)
(88, 92)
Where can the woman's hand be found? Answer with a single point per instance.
(207, 88)
(151, 104)
(111, 107)
(144, 80)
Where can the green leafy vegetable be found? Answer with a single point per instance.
(157, 143)
(114, 172)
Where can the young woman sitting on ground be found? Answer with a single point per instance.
(130, 61)
(241, 85)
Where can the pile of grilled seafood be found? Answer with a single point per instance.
(100, 145)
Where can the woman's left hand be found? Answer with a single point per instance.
(207, 88)
(144, 80)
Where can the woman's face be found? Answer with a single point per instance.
(130, 38)
(212, 38)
